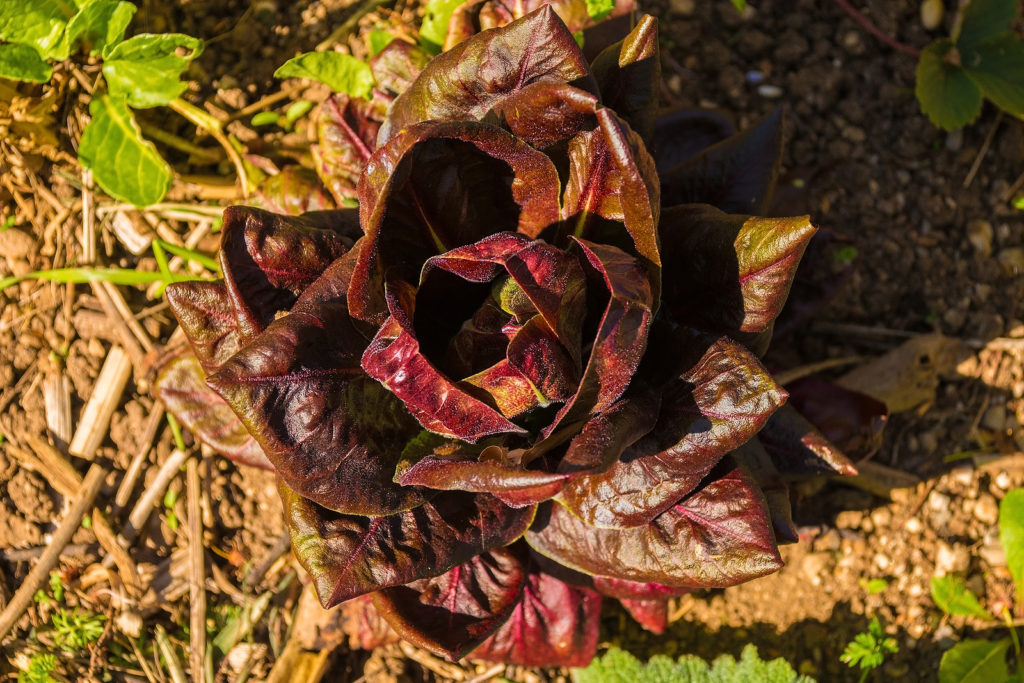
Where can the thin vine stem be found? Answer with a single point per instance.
(875, 31)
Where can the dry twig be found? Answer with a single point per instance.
(105, 396)
(197, 573)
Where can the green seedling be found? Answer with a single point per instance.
(868, 649)
(39, 668)
(617, 665)
(76, 629)
(170, 499)
(873, 586)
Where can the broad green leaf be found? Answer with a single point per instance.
(39, 23)
(124, 164)
(952, 596)
(380, 39)
(975, 661)
(947, 95)
(616, 666)
(984, 19)
(435, 22)
(997, 67)
(341, 72)
(100, 25)
(1011, 535)
(599, 9)
(146, 69)
(23, 63)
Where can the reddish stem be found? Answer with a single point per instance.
(875, 31)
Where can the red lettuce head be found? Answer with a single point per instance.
(525, 372)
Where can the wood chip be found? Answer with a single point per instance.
(57, 403)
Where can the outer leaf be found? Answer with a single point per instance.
(515, 486)
(125, 165)
(333, 434)
(397, 66)
(100, 25)
(630, 590)
(453, 613)
(651, 614)
(947, 95)
(756, 462)
(39, 23)
(952, 596)
(362, 623)
(554, 624)
(293, 191)
(975, 661)
(544, 114)
(206, 315)
(467, 81)
(798, 449)
(23, 63)
(439, 186)
(146, 69)
(680, 134)
(738, 269)
(340, 72)
(350, 555)
(182, 388)
(718, 536)
(981, 20)
(346, 136)
(1011, 534)
(849, 419)
(629, 76)
(736, 175)
(997, 67)
(722, 398)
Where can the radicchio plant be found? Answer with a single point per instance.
(525, 373)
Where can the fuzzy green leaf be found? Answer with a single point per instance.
(124, 164)
(39, 23)
(146, 69)
(946, 93)
(975, 661)
(435, 22)
(616, 666)
(23, 63)
(1011, 535)
(952, 596)
(984, 19)
(340, 72)
(100, 25)
(996, 66)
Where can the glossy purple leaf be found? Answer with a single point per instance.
(206, 315)
(651, 614)
(621, 334)
(849, 419)
(628, 75)
(755, 461)
(351, 555)
(717, 536)
(440, 186)
(464, 83)
(394, 359)
(294, 191)
(736, 175)
(397, 66)
(495, 473)
(799, 449)
(544, 114)
(612, 178)
(333, 433)
(682, 133)
(554, 624)
(631, 590)
(346, 137)
(363, 625)
(453, 613)
(182, 387)
(268, 259)
(604, 438)
(722, 398)
(735, 271)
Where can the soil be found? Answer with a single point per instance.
(936, 254)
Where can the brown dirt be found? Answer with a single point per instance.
(934, 256)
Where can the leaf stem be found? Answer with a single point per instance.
(875, 31)
(202, 119)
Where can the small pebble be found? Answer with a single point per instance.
(986, 510)
(951, 559)
(755, 77)
(913, 525)
(1002, 480)
(1012, 260)
(849, 519)
(994, 418)
(770, 92)
(955, 139)
(980, 235)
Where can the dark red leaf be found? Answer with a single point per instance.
(799, 449)
(465, 82)
(849, 419)
(731, 273)
(294, 191)
(439, 186)
(452, 613)
(360, 621)
(651, 614)
(628, 74)
(516, 486)
(207, 317)
(736, 175)
(631, 590)
(721, 399)
(554, 624)
(397, 66)
(717, 536)
(755, 461)
(544, 114)
(351, 555)
(333, 433)
(680, 134)
(182, 387)
(346, 137)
